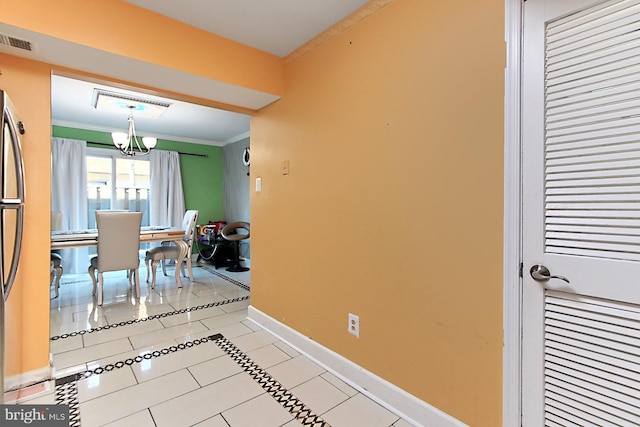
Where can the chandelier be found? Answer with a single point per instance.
(129, 143)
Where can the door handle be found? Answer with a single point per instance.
(541, 273)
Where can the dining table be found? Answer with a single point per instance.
(69, 239)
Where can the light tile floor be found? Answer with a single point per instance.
(186, 377)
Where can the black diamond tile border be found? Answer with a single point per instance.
(225, 277)
(66, 388)
(295, 406)
(66, 393)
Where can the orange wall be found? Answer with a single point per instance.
(28, 85)
(392, 209)
(124, 29)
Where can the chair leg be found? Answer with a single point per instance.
(137, 281)
(59, 271)
(129, 274)
(147, 262)
(154, 266)
(189, 269)
(164, 266)
(92, 273)
(100, 282)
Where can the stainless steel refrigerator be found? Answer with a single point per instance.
(11, 214)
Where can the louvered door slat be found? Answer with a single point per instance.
(615, 143)
(586, 158)
(594, 213)
(631, 224)
(592, 253)
(582, 191)
(555, 421)
(608, 182)
(592, 362)
(576, 198)
(604, 319)
(595, 391)
(592, 129)
(593, 238)
(563, 364)
(615, 390)
(578, 404)
(555, 300)
(588, 231)
(570, 137)
(579, 19)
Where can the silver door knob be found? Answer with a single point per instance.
(541, 273)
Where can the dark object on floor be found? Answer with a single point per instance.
(235, 232)
(219, 252)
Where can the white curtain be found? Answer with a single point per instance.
(69, 195)
(166, 195)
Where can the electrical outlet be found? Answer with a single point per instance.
(354, 325)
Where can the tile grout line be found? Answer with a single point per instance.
(152, 317)
(284, 397)
(167, 314)
(66, 389)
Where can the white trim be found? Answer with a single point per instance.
(26, 379)
(393, 398)
(512, 255)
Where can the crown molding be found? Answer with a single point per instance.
(371, 8)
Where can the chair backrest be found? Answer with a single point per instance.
(118, 240)
(189, 223)
(238, 230)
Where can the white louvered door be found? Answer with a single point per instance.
(581, 213)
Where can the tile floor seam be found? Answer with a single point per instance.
(275, 389)
(227, 321)
(82, 333)
(272, 387)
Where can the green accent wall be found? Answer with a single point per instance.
(202, 177)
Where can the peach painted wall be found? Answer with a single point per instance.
(393, 206)
(121, 28)
(28, 85)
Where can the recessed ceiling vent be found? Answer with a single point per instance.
(15, 42)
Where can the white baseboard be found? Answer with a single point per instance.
(26, 379)
(386, 394)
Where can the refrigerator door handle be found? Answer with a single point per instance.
(13, 270)
(16, 203)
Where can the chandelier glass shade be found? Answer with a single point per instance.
(129, 143)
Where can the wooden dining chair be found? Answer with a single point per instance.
(167, 251)
(118, 248)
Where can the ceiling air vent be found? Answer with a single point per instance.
(15, 42)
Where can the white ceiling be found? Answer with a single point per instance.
(275, 26)
(72, 105)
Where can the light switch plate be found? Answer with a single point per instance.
(258, 184)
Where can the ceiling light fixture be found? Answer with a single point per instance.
(128, 143)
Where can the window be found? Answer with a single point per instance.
(115, 182)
